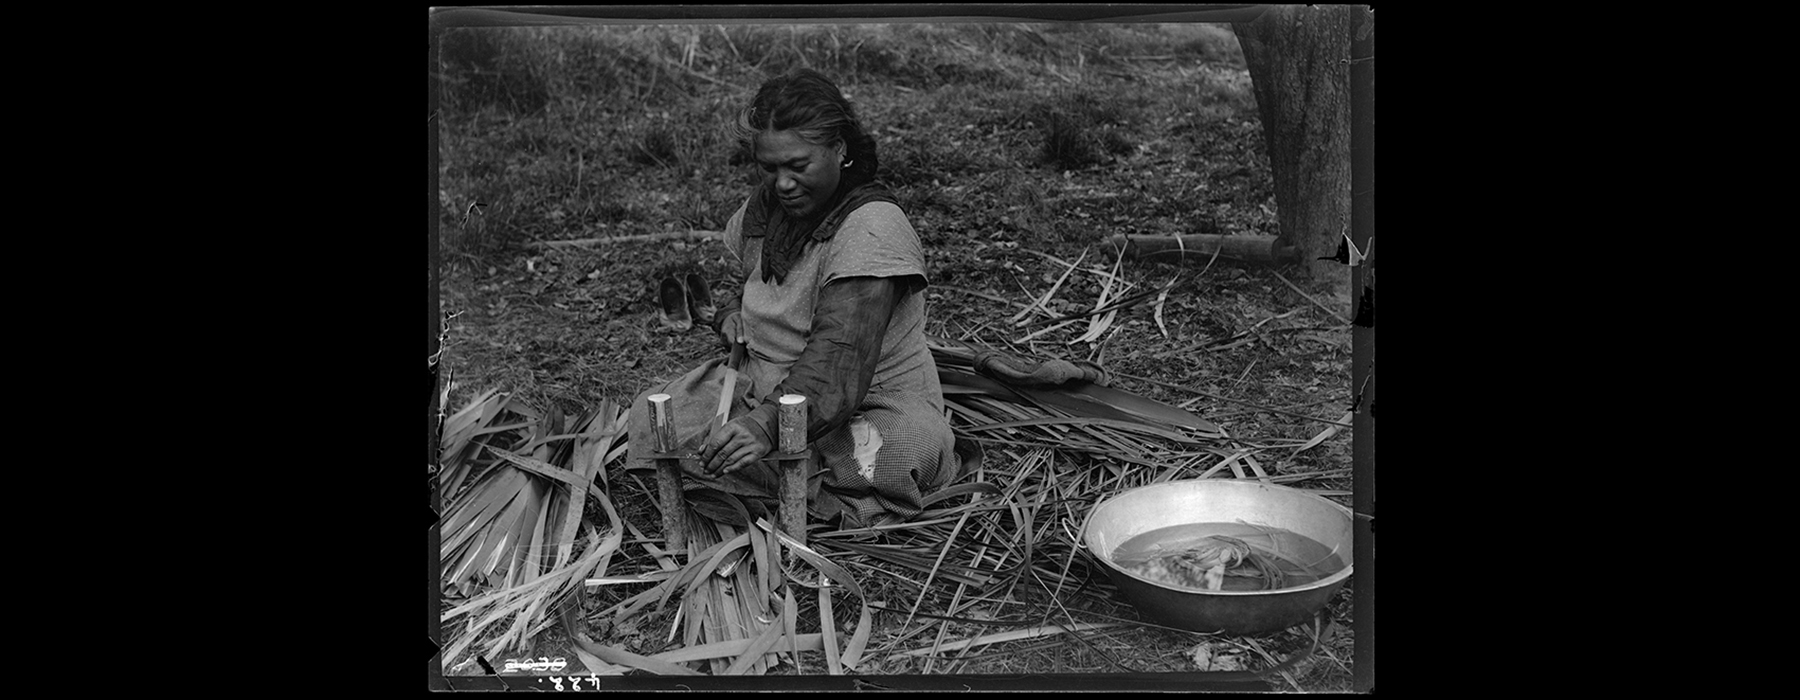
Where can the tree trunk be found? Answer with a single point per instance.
(1298, 57)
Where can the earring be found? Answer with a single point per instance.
(846, 164)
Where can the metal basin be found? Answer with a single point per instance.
(1136, 511)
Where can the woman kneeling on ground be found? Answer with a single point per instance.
(833, 310)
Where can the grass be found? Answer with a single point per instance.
(1011, 147)
(620, 130)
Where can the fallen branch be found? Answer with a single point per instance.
(667, 236)
(1256, 249)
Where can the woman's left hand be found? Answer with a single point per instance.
(734, 446)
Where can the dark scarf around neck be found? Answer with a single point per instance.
(785, 238)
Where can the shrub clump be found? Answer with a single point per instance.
(1080, 130)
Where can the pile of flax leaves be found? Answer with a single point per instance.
(519, 557)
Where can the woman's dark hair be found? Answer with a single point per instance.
(810, 105)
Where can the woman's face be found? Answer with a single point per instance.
(805, 175)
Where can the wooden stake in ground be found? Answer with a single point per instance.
(792, 427)
(668, 474)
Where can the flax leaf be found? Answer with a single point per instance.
(828, 628)
(998, 637)
(729, 648)
(626, 658)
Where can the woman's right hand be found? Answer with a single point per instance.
(734, 446)
(731, 330)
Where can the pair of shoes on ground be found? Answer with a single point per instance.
(684, 300)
